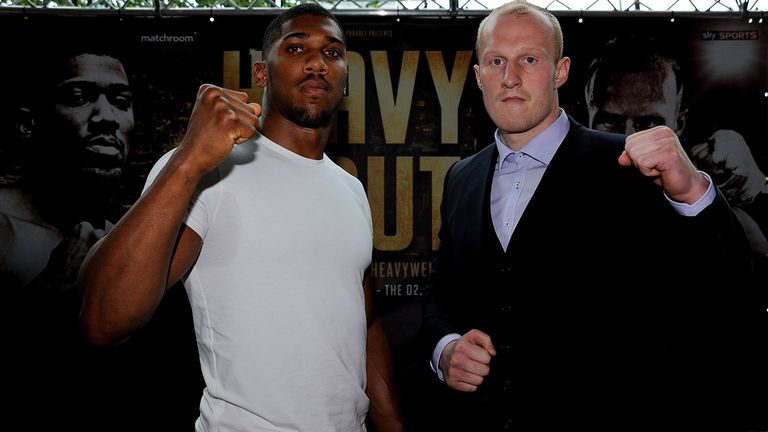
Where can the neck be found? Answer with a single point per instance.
(306, 142)
(516, 140)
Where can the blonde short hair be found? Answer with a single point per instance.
(522, 8)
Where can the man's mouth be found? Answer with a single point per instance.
(104, 150)
(512, 99)
(314, 86)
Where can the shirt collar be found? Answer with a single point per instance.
(543, 146)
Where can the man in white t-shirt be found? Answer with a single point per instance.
(272, 241)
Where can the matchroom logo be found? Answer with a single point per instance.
(166, 38)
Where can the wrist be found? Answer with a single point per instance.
(698, 189)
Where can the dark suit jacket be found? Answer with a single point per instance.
(608, 309)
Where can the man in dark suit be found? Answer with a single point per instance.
(577, 282)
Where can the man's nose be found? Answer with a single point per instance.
(630, 127)
(316, 63)
(103, 110)
(511, 77)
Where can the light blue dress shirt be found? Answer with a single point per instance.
(517, 174)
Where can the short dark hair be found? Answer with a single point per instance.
(275, 28)
(44, 73)
(631, 54)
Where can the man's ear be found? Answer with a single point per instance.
(24, 122)
(561, 71)
(260, 73)
(346, 83)
(478, 78)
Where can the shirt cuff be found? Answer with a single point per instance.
(435, 362)
(700, 204)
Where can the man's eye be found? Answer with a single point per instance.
(294, 49)
(333, 52)
(122, 101)
(649, 124)
(496, 61)
(529, 60)
(608, 126)
(74, 97)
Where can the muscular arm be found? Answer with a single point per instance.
(382, 390)
(124, 276)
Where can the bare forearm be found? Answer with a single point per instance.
(385, 415)
(125, 275)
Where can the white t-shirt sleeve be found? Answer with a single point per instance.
(198, 210)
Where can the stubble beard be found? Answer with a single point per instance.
(303, 117)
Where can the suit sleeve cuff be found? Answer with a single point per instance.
(700, 204)
(435, 362)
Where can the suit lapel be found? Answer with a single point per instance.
(550, 192)
(475, 195)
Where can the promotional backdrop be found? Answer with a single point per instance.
(412, 110)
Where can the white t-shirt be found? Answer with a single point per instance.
(276, 293)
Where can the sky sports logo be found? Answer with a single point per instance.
(736, 35)
(166, 38)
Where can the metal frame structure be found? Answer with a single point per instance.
(745, 9)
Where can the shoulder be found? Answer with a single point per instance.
(597, 140)
(345, 177)
(21, 224)
(15, 203)
(591, 147)
(6, 231)
(157, 167)
(479, 161)
(208, 179)
(10, 198)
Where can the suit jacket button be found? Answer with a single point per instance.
(506, 386)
